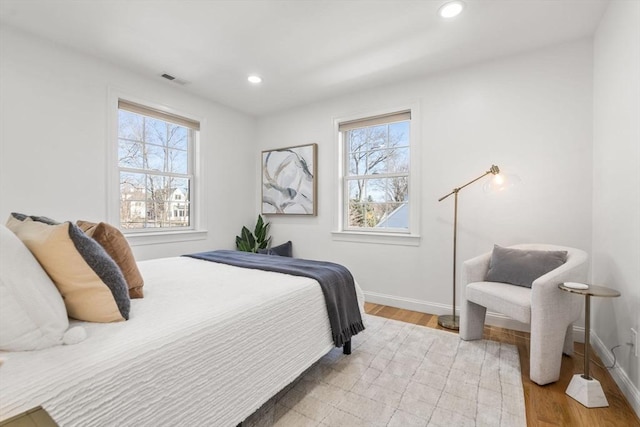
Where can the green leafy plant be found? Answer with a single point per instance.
(251, 242)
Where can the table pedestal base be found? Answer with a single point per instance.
(587, 392)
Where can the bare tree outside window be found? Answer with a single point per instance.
(377, 175)
(155, 173)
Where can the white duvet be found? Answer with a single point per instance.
(207, 345)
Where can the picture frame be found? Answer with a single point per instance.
(289, 180)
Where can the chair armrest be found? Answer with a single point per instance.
(475, 269)
(545, 291)
(574, 270)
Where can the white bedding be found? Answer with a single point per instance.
(207, 345)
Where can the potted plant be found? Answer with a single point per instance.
(252, 242)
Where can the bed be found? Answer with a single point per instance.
(207, 345)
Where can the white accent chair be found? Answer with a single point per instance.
(549, 310)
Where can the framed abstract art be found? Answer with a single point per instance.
(289, 182)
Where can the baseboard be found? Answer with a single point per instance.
(619, 375)
(494, 319)
(578, 333)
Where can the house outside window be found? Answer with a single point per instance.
(155, 169)
(376, 173)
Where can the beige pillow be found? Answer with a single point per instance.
(91, 284)
(116, 245)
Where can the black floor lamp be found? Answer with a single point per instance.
(452, 321)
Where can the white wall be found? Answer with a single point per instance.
(530, 114)
(53, 140)
(616, 187)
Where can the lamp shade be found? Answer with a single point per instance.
(501, 182)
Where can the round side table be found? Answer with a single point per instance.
(583, 387)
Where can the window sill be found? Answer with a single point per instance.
(157, 237)
(376, 238)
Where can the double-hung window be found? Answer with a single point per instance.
(156, 169)
(376, 175)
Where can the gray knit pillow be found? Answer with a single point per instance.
(44, 219)
(103, 266)
(521, 267)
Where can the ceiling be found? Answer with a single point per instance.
(305, 50)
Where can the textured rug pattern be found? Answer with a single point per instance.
(401, 374)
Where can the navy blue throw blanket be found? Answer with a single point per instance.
(335, 281)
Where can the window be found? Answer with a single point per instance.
(376, 173)
(155, 167)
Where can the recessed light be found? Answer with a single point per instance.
(254, 79)
(451, 9)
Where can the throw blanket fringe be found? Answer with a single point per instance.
(346, 334)
(335, 281)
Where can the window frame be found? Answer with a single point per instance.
(342, 231)
(196, 229)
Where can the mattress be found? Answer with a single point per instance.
(207, 345)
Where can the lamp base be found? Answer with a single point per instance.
(587, 391)
(449, 321)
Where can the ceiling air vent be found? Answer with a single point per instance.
(173, 79)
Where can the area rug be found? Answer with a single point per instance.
(401, 374)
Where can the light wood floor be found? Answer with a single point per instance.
(547, 405)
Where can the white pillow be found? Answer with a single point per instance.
(32, 313)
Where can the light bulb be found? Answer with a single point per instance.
(451, 9)
(254, 79)
(501, 182)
